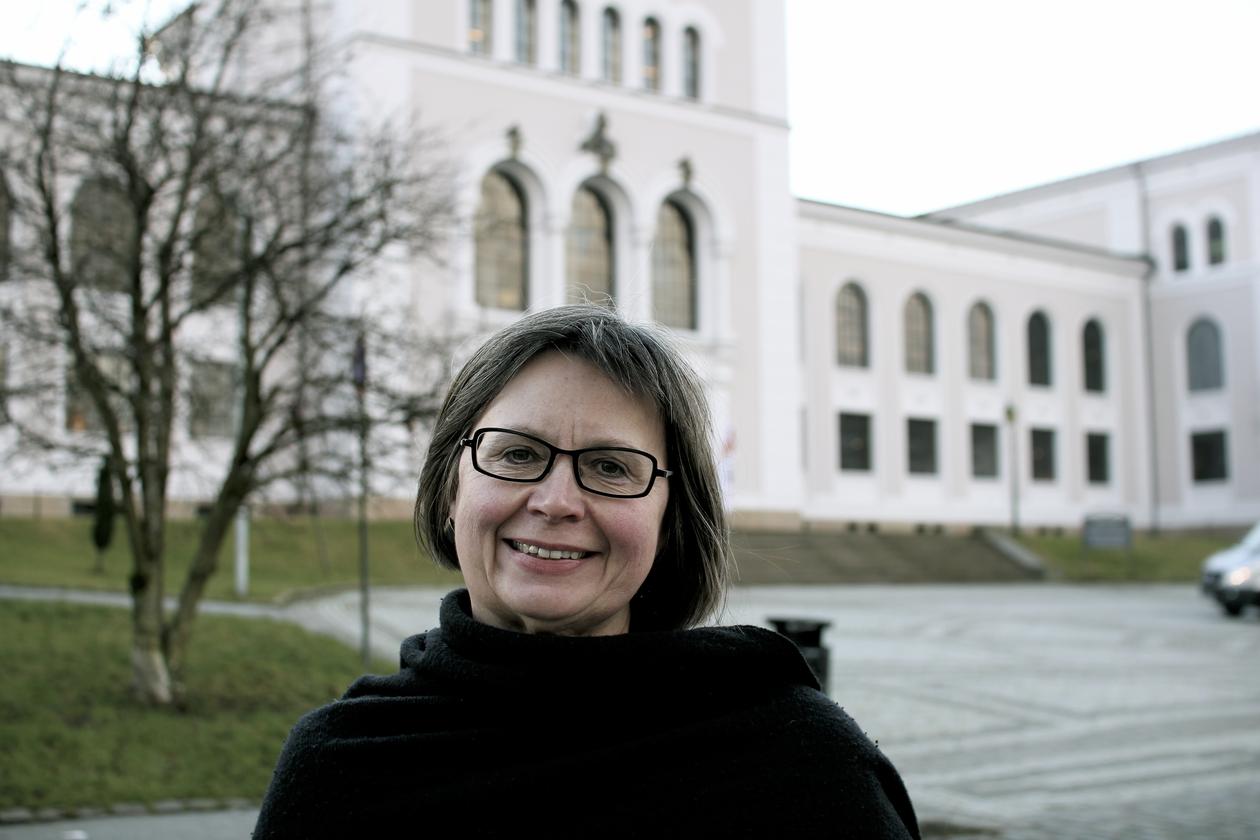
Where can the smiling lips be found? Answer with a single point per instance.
(547, 553)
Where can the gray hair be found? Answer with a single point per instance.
(688, 580)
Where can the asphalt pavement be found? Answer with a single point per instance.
(1013, 711)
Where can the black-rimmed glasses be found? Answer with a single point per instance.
(616, 471)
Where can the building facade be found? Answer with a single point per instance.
(1041, 356)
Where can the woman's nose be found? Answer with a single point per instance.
(558, 495)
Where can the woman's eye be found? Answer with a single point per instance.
(520, 455)
(609, 469)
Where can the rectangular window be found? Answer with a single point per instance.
(1043, 454)
(210, 399)
(480, 26)
(1097, 458)
(855, 442)
(921, 448)
(1209, 453)
(81, 413)
(526, 31)
(984, 450)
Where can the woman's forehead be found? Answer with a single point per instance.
(567, 399)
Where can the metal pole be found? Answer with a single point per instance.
(238, 417)
(359, 376)
(1148, 277)
(363, 532)
(1014, 468)
(242, 551)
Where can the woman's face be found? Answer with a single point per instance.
(570, 404)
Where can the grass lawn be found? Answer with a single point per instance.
(70, 735)
(285, 556)
(1168, 557)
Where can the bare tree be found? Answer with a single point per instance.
(187, 237)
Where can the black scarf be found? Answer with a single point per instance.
(715, 731)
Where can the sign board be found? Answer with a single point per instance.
(1106, 531)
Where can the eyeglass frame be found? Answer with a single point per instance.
(657, 470)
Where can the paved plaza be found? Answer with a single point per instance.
(1016, 711)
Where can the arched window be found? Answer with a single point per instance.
(611, 69)
(1204, 363)
(589, 249)
(102, 227)
(6, 230)
(691, 63)
(480, 26)
(1039, 372)
(502, 244)
(1094, 349)
(851, 339)
(1180, 248)
(215, 248)
(570, 43)
(1216, 241)
(526, 32)
(981, 353)
(918, 334)
(651, 54)
(674, 267)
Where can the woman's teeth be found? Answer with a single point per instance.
(547, 553)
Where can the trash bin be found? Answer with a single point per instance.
(806, 634)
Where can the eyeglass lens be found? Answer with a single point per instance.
(520, 458)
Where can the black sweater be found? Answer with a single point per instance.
(715, 731)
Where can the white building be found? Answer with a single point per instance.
(942, 371)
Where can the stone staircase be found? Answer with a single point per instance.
(824, 557)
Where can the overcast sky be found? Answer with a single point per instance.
(906, 106)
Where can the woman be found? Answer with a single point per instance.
(570, 479)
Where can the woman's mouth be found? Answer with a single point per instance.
(547, 553)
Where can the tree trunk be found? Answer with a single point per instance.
(150, 678)
(178, 631)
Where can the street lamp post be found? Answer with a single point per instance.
(358, 373)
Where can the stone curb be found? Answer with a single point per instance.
(17, 816)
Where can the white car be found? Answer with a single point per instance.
(1232, 575)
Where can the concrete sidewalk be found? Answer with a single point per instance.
(1035, 711)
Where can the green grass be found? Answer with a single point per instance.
(1166, 558)
(70, 734)
(284, 556)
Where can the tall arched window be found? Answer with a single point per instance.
(501, 240)
(651, 54)
(1216, 241)
(674, 267)
(981, 352)
(6, 230)
(526, 32)
(1180, 248)
(918, 334)
(570, 41)
(215, 248)
(1204, 364)
(610, 70)
(691, 63)
(1039, 372)
(480, 26)
(1094, 355)
(589, 248)
(102, 227)
(851, 339)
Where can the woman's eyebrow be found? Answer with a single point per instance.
(596, 443)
